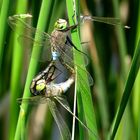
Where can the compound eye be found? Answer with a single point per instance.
(40, 85)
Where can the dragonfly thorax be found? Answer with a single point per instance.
(58, 40)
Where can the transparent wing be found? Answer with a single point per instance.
(27, 35)
(107, 20)
(63, 128)
(33, 100)
(65, 105)
(23, 28)
(67, 57)
(29, 43)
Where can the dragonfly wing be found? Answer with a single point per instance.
(67, 57)
(63, 128)
(106, 20)
(33, 100)
(29, 43)
(69, 51)
(22, 27)
(65, 104)
(27, 35)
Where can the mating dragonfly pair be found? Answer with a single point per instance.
(56, 46)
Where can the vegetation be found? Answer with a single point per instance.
(110, 107)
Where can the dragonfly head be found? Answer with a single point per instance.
(40, 86)
(61, 24)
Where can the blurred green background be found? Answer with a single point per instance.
(111, 50)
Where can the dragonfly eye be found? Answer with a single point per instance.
(60, 24)
(40, 85)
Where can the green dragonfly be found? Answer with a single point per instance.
(44, 91)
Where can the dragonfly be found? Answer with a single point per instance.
(54, 46)
(44, 91)
(58, 44)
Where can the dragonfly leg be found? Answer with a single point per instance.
(72, 27)
(75, 15)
